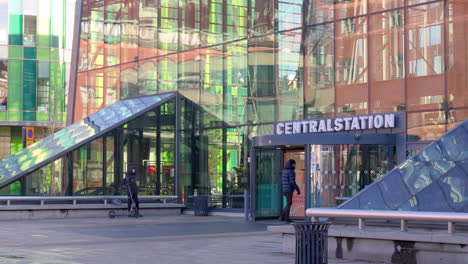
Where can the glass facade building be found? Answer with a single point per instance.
(35, 56)
(241, 66)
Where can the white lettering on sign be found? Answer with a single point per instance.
(336, 124)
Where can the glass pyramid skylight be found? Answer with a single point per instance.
(436, 179)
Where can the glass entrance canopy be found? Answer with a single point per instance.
(76, 135)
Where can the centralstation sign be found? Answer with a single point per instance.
(338, 124)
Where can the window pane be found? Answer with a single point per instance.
(350, 8)
(262, 79)
(236, 19)
(425, 57)
(386, 53)
(289, 14)
(190, 21)
(380, 5)
(112, 32)
(43, 88)
(455, 117)
(111, 85)
(168, 29)
(129, 81)
(148, 77)
(236, 83)
(211, 99)
(425, 126)
(263, 16)
(319, 11)
(319, 71)
(148, 27)
(457, 28)
(29, 37)
(351, 66)
(189, 74)
(290, 72)
(129, 31)
(96, 37)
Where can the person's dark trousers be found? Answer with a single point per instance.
(287, 209)
(135, 198)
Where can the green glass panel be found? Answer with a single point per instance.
(29, 85)
(15, 188)
(30, 53)
(42, 116)
(15, 52)
(16, 144)
(55, 54)
(15, 36)
(3, 115)
(15, 84)
(43, 53)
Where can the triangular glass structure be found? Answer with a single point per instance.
(436, 179)
(72, 137)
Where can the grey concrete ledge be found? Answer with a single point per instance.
(385, 234)
(102, 206)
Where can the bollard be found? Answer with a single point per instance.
(311, 243)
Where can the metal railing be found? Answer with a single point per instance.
(402, 216)
(74, 199)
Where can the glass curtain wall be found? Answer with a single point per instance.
(245, 64)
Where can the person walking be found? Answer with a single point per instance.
(132, 190)
(288, 185)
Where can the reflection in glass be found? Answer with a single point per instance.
(290, 72)
(351, 66)
(386, 51)
(457, 72)
(425, 57)
(319, 71)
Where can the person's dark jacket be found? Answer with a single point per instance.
(130, 180)
(288, 178)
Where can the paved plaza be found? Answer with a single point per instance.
(171, 239)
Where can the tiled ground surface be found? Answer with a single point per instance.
(179, 239)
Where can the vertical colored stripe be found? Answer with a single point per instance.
(15, 88)
(29, 84)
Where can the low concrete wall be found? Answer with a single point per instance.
(387, 245)
(56, 211)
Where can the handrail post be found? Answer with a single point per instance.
(42, 202)
(361, 223)
(314, 219)
(451, 227)
(403, 225)
(8, 203)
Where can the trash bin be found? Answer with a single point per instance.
(200, 204)
(311, 243)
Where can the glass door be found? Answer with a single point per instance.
(298, 205)
(267, 180)
(339, 172)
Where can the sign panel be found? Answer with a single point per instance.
(337, 124)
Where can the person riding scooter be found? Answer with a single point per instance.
(132, 190)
